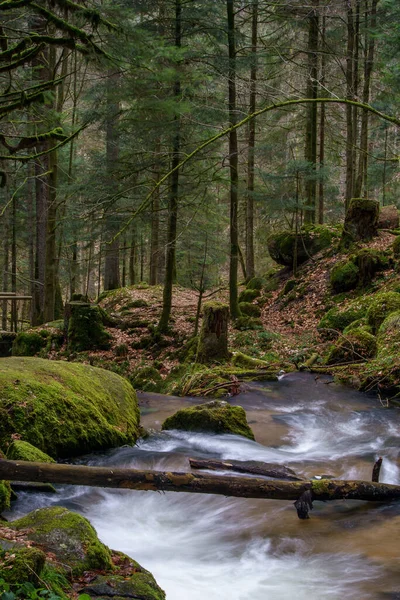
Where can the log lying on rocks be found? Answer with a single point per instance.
(253, 467)
(198, 483)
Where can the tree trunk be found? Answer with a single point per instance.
(253, 467)
(321, 186)
(233, 165)
(350, 141)
(213, 342)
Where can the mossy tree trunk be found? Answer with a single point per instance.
(213, 342)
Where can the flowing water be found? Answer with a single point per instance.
(209, 547)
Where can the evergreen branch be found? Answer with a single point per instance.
(221, 134)
(39, 87)
(26, 56)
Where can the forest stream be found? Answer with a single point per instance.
(215, 548)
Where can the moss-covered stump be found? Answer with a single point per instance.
(64, 408)
(388, 217)
(216, 416)
(147, 379)
(20, 450)
(213, 341)
(23, 565)
(361, 222)
(382, 305)
(355, 346)
(344, 277)
(84, 327)
(68, 536)
(6, 341)
(389, 336)
(310, 241)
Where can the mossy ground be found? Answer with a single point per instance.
(65, 409)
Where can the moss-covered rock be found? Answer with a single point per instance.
(68, 536)
(23, 565)
(84, 327)
(213, 340)
(215, 416)
(147, 379)
(337, 318)
(256, 283)
(310, 241)
(28, 343)
(138, 303)
(396, 247)
(20, 450)
(344, 277)
(389, 336)
(369, 262)
(355, 346)
(245, 323)
(358, 324)
(382, 305)
(249, 295)
(361, 222)
(249, 310)
(65, 409)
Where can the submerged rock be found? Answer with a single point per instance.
(65, 409)
(215, 416)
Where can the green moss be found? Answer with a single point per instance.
(67, 535)
(147, 379)
(389, 336)
(215, 416)
(28, 343)
(25, 564)
(311, 240)
(382, 305)
(339, 318)
(242, 360)
(139, 303)
(213, 340)
(358, 324)
(256, 283)
(344, 277)
(5, 495)
(20, 450)
(289, 286)
(65, 409)
(245, 323)
(396, 247)
(85, 328)
(248, 295)
(356, 345)
(249, 310)
(320, 486)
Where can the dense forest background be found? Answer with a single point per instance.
(102, 101)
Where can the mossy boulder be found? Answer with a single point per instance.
(358, 324)
(68, 536)
(138, 303)
(249, 310)
(65, 409)
(213, 340)
(396, 247)
(355, 346)
(256, 283)
(344, 277)
(23, 565)
(147, 379)
(382, 305)
(84, 327)
(215, 416)
(246, 323)
(361, 222)
(337, 318)
(249, 295)
(6, 341)
(389, 336)
(20, 450)
(310, 241)
(28, 343)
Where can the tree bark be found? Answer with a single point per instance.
(243, 487)
(253, 467)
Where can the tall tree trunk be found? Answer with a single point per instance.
(250, 269)
(174, 191)
(321, 186)
(6, 267)
(312, 114)
(14, 315)
(350, 141)
(111, 259)
(132, 258)
(155, 222)
(233, 165)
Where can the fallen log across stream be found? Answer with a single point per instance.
(253, 467)
(199, 483)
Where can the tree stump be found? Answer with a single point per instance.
(361, 222)
(213, 342)
(84, 328)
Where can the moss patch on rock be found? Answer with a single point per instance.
(20, 450)
(249, 310)
(381, 306)
(337, 318)
(215, 416)
(355, 346)
(147, 379)
(249, 295)
(310, 241)
(28, 343)
(24, 564)
(256, 283)
(389, 336)
(344, 277)
(65, 409)
(245, 323)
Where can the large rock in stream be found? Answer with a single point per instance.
(216, 416)
(66, 544)
(65, 409)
